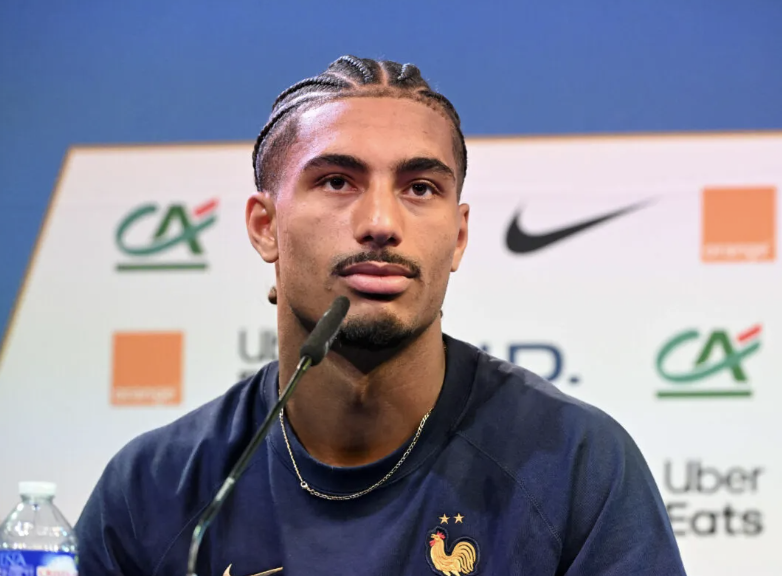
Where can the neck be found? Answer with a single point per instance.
(346, 414)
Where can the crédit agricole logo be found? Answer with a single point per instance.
(707, 365)
(159, 238)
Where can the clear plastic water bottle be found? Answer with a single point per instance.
(35, 539)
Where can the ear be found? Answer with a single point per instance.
(261, 219)
(461, 239)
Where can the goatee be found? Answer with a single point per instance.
(376, 334)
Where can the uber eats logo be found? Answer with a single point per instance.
(256, 348)
(154, 237)
(710, 501)
(711, 364)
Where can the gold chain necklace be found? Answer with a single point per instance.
(377, 484)
(374, 486)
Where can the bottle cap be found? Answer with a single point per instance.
(37, 488)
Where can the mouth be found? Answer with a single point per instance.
(377, 278)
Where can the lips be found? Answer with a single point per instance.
(377, 278)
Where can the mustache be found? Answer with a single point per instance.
(381, 256)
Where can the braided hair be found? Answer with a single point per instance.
(346, 77)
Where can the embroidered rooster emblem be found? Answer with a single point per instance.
(460, 560)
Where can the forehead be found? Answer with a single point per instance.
(379, 128)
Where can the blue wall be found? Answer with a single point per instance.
(149, 71)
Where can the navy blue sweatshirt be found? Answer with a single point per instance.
(509, 477)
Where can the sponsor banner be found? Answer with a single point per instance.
(723, 511)
(146, 368)
(639, 274)
(719, 353)
(707, 501)
(171, 226)
(255, 348)
(739, 224)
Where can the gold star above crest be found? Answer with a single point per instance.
(458, 518)
(444, 519)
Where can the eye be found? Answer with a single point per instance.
(335, 183)
(422, 189)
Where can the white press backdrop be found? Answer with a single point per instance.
(603, 301)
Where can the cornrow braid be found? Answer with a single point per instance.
(346, 77)
(365, 68)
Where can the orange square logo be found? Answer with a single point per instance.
(739, 224)
(147, 369)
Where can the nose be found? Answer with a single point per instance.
(377, 218)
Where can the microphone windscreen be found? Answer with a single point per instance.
(317, 344)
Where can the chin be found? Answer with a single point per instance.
(377, 331)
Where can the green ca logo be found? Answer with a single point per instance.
(174, 228)
(719, 354)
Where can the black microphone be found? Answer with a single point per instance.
(317, 345)
(312, 352)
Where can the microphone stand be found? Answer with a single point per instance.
(229, 483)
(312, 352)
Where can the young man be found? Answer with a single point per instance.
(405, 451)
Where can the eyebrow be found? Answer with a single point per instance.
(411, 165)
(422, 164)
(336, 160)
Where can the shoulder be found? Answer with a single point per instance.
(200, 445)
(530, 411)
(562, 453)
(164, 478)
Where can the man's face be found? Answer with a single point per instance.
(367, 208)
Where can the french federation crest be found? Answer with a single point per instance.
(451, 558)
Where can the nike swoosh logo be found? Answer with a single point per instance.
(521, 242)
(272, 571)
